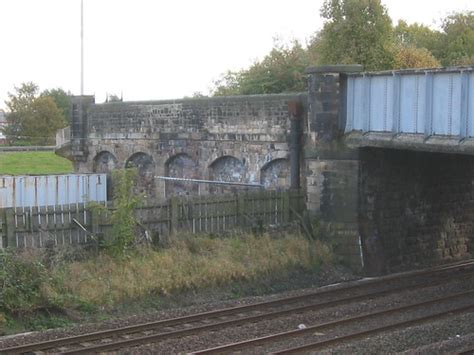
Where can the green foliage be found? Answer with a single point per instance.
(356, 31)
(62, 99)
(113, 98)
(458, 39)
(282, 70)
(41, 124)
(123, 216)
(32, 119)
(21, 281)
(454, 45)
(418, 36)
(413, 57)
(35, 292)
(19, 106)
(193, 262)
(33, 163)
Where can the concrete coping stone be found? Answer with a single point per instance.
(237, 99)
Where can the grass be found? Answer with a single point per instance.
(189, 264)
(95, 286)
(33, 163)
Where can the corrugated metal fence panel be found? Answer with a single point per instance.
(50, 190)
(431, 103)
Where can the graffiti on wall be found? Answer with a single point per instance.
(275, 175)
(229, 169)
(146, 173)
(181, 166)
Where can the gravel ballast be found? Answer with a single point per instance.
(444, 335)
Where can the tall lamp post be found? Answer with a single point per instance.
(82, 47)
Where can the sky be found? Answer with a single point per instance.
(159, 49)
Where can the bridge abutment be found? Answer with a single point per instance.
(332, 168)
(416, 208)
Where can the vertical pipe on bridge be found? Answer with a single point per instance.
(296, 112)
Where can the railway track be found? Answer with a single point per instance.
(153, 332)
(352, 335)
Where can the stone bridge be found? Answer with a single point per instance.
(234, 139)
(386, 158)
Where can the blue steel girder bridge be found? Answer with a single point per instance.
(412, 132)
(428, 110)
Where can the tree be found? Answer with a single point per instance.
(18, 107)
(419, 36)
(113, 98)
(62, 99)
(31, 119)
(43, 122)
(407, 56)
(356, 31)
(458, 39)
(281, 70)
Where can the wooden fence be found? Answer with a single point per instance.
(78, 224)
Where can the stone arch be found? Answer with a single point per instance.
(226, 168)
(146, 170)
(104, 162)
(275, 175)
(181, 166)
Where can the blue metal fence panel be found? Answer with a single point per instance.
(50, 190)
(381, 113)
(357, 104)
(469, 92)
(429, 102)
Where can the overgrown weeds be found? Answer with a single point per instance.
(22, 279)
(122, 216)
(31, 292)
(191, 262)
(36, 283)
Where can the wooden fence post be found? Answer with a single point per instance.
(286, 206)
(94, 216)
(10, 225)
(174, 215)
(240, 199)
(3, 232)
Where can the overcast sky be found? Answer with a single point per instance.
(159, 49)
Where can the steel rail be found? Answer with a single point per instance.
(328, 290)
(299, 332)
(250, 319)
(375, 330)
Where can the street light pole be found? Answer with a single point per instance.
(82, 47)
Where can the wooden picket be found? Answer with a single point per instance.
(44, 226)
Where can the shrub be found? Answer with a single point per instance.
(22, 281)
(122, 216)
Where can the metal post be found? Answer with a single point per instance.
(82, 47)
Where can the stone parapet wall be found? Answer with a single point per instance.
(240, 118)
(237, 139)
